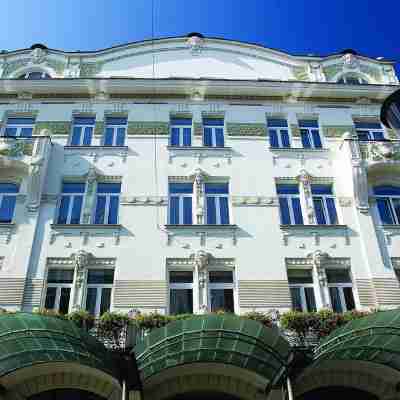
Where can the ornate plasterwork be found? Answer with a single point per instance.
(300, 73)
(337, 131)
(295, 130)
(382, 151)
(6, 231)
(345, 201)
(197, 129)
(55, 127)
(305, 179)
(148, 128)
(331, 71)
(195, 44)
(240, 129)
(15, 148)
(320, 258)
(90, 69)
(99, 128)
(257, 201)
(200, 153)
(144, 200)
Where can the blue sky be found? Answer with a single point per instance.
(296, 26)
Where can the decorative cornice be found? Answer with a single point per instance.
(144, 200)
(257, 201)
(326, 262)
(337, 131)
(190, 262)
(248, 129)
(70, 261)
(55, 127)
(148, 128)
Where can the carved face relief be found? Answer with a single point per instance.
(350, 61)
(81, 259)
(195, 44)
(38, 56)
(201, 259)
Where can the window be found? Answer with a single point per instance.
(181, 292)
(340, 289)
(107, 203)
(388, 203)
(213, 132)
(278, 132)
(352, 80)
(221, 291)
(98, 293)
(59, 285)
(369, 131)
(302, 290)
(35, 75)
(181, 132)
(82, 131)
(180, 203)
(289, 204)
(115, 132)
(19, 127)
(71, 203)
(8, 198)
(217, 206)
(324, 204)
(309, 132)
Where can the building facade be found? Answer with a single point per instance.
(191, 174)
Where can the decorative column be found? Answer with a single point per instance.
(199, 198)
(90, 196)
(319, 275)
(201, 261)
(306, 200)
(81, 260)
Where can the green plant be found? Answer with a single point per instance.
(83, 319)
(49, 313)
(261, 317)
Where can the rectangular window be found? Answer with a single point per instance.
(59, 285)
(309, 132)
(180, 203)
(324, 204)
(107, 203)
(302, 290)
(19, 127)
(388, 203)
(181, 292)
(289, 204)
(213, 132)
(115, 131)
(8, 198)
(217, 203)
(82, 131)
(340, 289)
(367, 131)
(181, 132)
(99, 288)
(70, 208)
(221, 291)
(278, 133)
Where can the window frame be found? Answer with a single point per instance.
(389, 200)
(361, 80)
(289, 198)
(214, 133)
(181, 204)
(180, 286)
(221, 286)
(19, 128)
(99, 289)
(217, 204)
(303, 299)
(107, 208)
(340, 286)
(82, 132)
(279, 130)
(308, 130)
(14, 195)
(181, 128)
(370, 132)
(325, 209)
(115, 128)
(70, 206)
(59, 287)
(45, 75)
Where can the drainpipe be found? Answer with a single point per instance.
(289, 389)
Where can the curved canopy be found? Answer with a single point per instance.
(374, 338)
(31, 339)
(225, 339)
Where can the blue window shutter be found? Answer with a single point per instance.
(285, 138)
(316, 138)
(384, 211)
(284, 210)
(207, 137)
(7, 208)
(219, 137)
(100, 210)
(298, 216)
(330, 203)
(319, 211)
(76, 210)
(305, 140)
(273, 138)
(63, 212)
(76, 136)
(187, 137)
(87, 137)
(211, 211)
(174, 210)
(120, 136)
(108, 138)
(224, 210)
(187, 210)
(113, 212)
(175, 137)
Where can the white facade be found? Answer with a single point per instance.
(150, 84)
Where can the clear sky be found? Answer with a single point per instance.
(297, 26)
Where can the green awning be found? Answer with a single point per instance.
(227, 339)
(30, 339)
(374, 338)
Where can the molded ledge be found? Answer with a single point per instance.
(203, 227)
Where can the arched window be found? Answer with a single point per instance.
(352, 79)
(35, 75)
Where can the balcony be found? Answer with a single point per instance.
(380, 155)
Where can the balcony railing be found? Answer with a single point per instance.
(380, 151)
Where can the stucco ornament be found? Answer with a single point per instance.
(11, 147)
(195, 44)
(201, 260)
(73, 70)
(350, 61)
(381, 151)
(38, 56)
(304, 179)
(81, 260)
(316, 72)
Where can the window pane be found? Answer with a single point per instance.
(207, 137)
(105, 301)
(367, 125)
(113, 211)
(213, 122)
(181, 121)
(363, 135)
(174, 210)
(26, 132)
(335, 299)
(108, 137)
(181, 301)
(319, 211)
(308, 123)
(285, 138)
(396, 206)
(378, 136)
(60, 276)
(20, 121)
(284, 211)
(386, 190)
(211, 211)
(63, 212)
(224, 210)
(349, 298)
(76, 210)
(330, 204)
(216, 188)
(120, 137)
(181, 277)
(296, 299)
(64, 300)
(305, 139)
(175, 137)
(100, 210)
(296, 206)
(50, 298)
(300, 276)
(221, 276)
(187, 136)
(321, 189)
(384, 211)
(316, 139)
(287, 189)
(73, 188)
(87, 138)
(222, 299)
(84, 121)
(9, 188)
(91, 297)
(219, 137)
(181, 188)
(336, 275)
(310, 299)
(7, 208)
(35, 75)
(273, 138)
(187, 210)
(10, 132)
(108, 188)
(116, 121)
(76, 136)
(100, 276)
(276, 122)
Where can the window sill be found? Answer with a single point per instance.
(91, 148)
(85, 226)
(198, 148)
(202, 227)
(313, 227)
(395, 227)
(297, 150)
